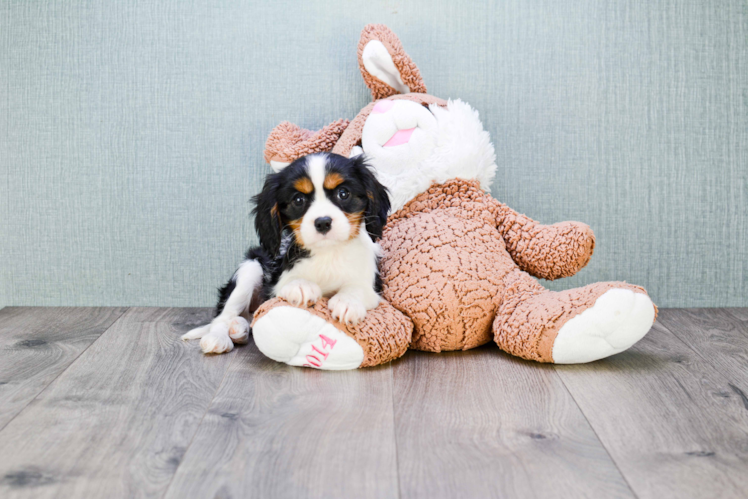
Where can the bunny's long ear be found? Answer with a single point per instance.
(288, 142)
(386, 68)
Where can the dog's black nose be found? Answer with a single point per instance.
(323, 224)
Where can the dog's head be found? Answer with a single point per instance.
(322, 200)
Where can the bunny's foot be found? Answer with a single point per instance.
(619, 318)
(574, 326)
(310, 337)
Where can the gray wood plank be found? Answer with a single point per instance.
(740, 313)
(718, 336)
(484, 424)
(280, 431)
(117, 422)
(673, 424)
(39, 343)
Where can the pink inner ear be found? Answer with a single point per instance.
(400, 137)
(383, 106)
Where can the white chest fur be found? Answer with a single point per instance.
(349, 264)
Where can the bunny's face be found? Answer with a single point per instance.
(412, 145)
(398, 134)
(410, 138)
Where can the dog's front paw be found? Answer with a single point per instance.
(218, 340)
(301, 293)
(347, 308)
(239, 330)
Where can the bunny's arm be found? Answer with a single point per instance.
(548, 252)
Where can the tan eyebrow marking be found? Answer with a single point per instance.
(304, 185)
(333, 180)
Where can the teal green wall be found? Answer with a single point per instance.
(131, 133)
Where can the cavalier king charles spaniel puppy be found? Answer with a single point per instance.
(318, 221)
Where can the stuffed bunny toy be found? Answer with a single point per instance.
(458, 267)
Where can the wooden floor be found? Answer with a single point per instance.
(108, 402)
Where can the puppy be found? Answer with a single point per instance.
(317, 220)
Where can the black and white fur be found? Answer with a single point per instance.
(317, 220)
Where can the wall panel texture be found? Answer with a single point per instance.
(131, 132)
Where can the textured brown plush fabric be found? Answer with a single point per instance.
(288, 141)
(548, 252)
(384, 335)
(409, 72)
(443, 264)
(448, 266)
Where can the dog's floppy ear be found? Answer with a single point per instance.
(268, 222)
(386, 68)
(288, 142)
(378, 200)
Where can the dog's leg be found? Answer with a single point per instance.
(231, 325)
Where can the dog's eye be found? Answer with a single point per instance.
(343, 193)
(299, 199)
